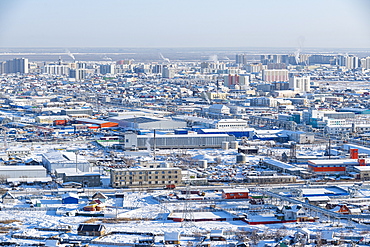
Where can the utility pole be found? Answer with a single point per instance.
(154, 145)
(188, 215)
(76, 153)
(329, 148)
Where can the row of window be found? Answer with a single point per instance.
(271, 180)
(149, 182)
(144, 177)
(231, 125)
(145, 172)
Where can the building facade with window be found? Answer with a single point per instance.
(145, 177)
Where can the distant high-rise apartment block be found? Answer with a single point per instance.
(254, 67)
(17, 65)
(277, 58)
(348, 61)
(124, 62)
(300, 83)
(80, 65)
(234, 81)
(168, 72)
(272, 75)
(58, 68)
(157, 68)
(321, 59)
(107, 69)
(241, 59)
(276, 66)
(365, 63)
(78, 74)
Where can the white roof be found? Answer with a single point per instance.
(334, 162)
(168, 236)
(232, 121)
(74, 195)
(28, 180)
(236, 190)
(27, 168)
(318, 198)
(216, 233)
(18, 149)
(218, 106)
(64, 157)
(362, 168)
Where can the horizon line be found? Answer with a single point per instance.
(178, 47)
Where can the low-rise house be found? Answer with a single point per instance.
(217, 235)
(355, 211)
(8, 198)
(172, 238)
(317, 200)
(91, 230)
(52, 243)
(70, 198)
(294, 212)
(339, 208)
(18, 152)
(327, 237)
(99, 196)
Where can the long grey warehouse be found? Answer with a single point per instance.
(22, 171)
(134, 141)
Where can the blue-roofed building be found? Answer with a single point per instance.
(133, 122)
(361, 149)
(238, 133)
(70, 198)
(271, 135)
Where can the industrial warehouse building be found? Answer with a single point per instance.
(76, 112)
(331, 166)
(338, 166)
(363, 172)
(133, 141)
(22, 171)
(55, 159)
(84, 178)
(99, 123)
(147, 123)
(50, 119)
(283, 167)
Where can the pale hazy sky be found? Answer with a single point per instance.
(185, 23)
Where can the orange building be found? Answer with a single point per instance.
(101, 123)
(331, 166)
(353, 153)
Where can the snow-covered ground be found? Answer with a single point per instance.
(144, 207)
